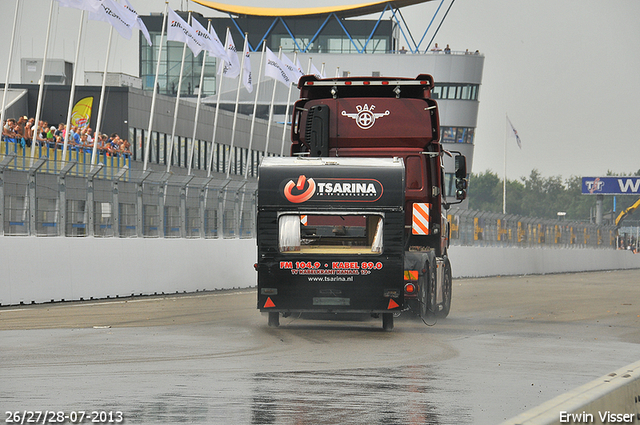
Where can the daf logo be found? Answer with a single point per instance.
(365, 117)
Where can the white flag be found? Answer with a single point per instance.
(299, 66)
(275, 69)
(515, 133)
(138, 22)
(220, 52)
(119, 18)
(315, 72)
(294, 74)
(179, 30)
(230, 67)
(88, 5)
(247, 79)
(211, 42)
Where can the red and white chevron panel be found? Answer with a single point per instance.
(420, 220)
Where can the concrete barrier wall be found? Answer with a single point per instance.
(42, 269)
(614, 398)
(470, 261)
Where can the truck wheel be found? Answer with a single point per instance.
(387, 321)
(446, 291)
(274, 319)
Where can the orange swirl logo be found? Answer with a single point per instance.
(302, 195)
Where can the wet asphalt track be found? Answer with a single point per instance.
(510, 343)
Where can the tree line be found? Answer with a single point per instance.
(542, 197)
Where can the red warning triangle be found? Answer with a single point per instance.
(392, 304)
(269, 303)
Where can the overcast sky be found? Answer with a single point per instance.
(566, 73)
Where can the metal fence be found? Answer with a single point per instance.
(49, 195)
(56, 197)
(469, 227)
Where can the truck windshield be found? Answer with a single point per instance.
(330, 233)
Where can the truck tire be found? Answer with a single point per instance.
(274, 319)
(387, 321)
(446, 291)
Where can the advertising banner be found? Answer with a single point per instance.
(611, 185)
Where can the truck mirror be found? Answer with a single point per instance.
(461, 177)
(461, 166)
(461, 189)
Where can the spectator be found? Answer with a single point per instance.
(113, 145)
(102, 144)
(83, 144)
(74, 138)
(8, 130)
(447, 49)
(51, 136)
(126, 148)
(19, 130)
(59, 135)
(88, 132)
(436, 48)
(88, 139)
(29, 130)
(41, 134)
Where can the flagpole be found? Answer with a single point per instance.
(41, 82)
(273, 99)
(155, 82)
(286, 113)
(235, 110)
(73, 90)
(253, 122)
(195, 122)
(215, 117)
(175, 110)
(255, 110)
(6, 81)
(504, 182)
(96, 134)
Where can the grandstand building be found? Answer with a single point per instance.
(337, 40)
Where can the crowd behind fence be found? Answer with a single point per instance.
(47, 197)
(469, 227)
(56, 197)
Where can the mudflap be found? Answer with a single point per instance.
(425, 264)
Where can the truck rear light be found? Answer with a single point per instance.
(366, 83)
(385, 83)
(409, 288)
(347, 83)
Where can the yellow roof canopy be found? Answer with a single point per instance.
(341, 11)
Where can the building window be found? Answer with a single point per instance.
(457, 134)
(170, 69)
(455, 91)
